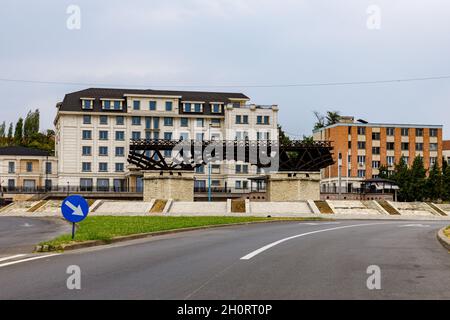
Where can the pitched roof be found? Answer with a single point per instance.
(23, 151)
(72, 101)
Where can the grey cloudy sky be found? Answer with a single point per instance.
(235, 42)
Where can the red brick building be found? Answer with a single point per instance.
(365, 147)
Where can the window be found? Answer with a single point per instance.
(200, 169)
(376, 150)
(169, 105)
(198, 107)
(238, 184)
(405, 132)
(262, 119)
(433, 147)
(136, 121)
(405, 146)
(103, 184)
(361, 145)
(390, 146)
(215, 168)
(263, 136)
(87, 119)
(168, 136)
(87, 135)
(11, 167)
(216, 108)
(106, 104)
(86, 167)
(117, 105)
(48, 167)
(200, 122)
(419, 132)
(390, 160)
(184, 122)
(152, 105)
(11, 184)
(156, 135)
(103, 151)
(361, 173)
(120, 167)
(433, 132)
(390, 131)
(120, 135)
(406, 159)
(103, 119)
(215, 183)
(242, 119)
(155, 123)
(199, 136)
(375, 136)
(375, 164)
(120, 120)
(433, 161)
(86, 184)
(86, 150)
(419, 146)
(87, 104)
(361, 131)
(361, 160)
(184, 136)
(103, 167)
(242, 168)
(103, 135)
(29, 166)
(168, 121)
(215, 122)
(136, 135)
(136, 105)
(187, 107)
(349, 144)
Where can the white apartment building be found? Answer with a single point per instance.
(94, 128)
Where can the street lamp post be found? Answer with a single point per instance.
(209, 169)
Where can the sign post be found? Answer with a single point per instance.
(74, 209)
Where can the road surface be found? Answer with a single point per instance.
(323, 260)
(20, 234)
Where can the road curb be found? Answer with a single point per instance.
(94, 243)
(443, 239)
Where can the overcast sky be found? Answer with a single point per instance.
(164, 44)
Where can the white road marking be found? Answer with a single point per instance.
(416, 225)
(12, 257)
(273, 244)
(317, 223)
(29, 259)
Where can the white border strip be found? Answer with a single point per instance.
(29, 259)
(273, 244)
(12, 257)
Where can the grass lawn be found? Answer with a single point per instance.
(106, 227)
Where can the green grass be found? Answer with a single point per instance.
(447, 232)
(106, 227)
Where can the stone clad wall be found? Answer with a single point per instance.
(293, 186)
(178, 185)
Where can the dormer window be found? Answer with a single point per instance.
(115, 104)
(196, 107)
(107, 104)
(216, 108)
(87, 103)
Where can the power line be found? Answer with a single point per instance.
(317, 84)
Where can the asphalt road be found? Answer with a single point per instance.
(20, 234)
(266, 261)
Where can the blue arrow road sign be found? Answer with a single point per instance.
(75, 208)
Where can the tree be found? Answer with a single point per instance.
(433, 185)
(320, 120)
(282, 136)
(401, 176)
(418, 177)
(333, 117)
(10, 133)
(3, 130)
(18, 133)
(383, 172)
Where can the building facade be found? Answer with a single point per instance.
(26, 169)
(365, 147)
(94, 128)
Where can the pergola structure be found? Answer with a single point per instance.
(148, 154)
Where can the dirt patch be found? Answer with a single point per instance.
(158, 206)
